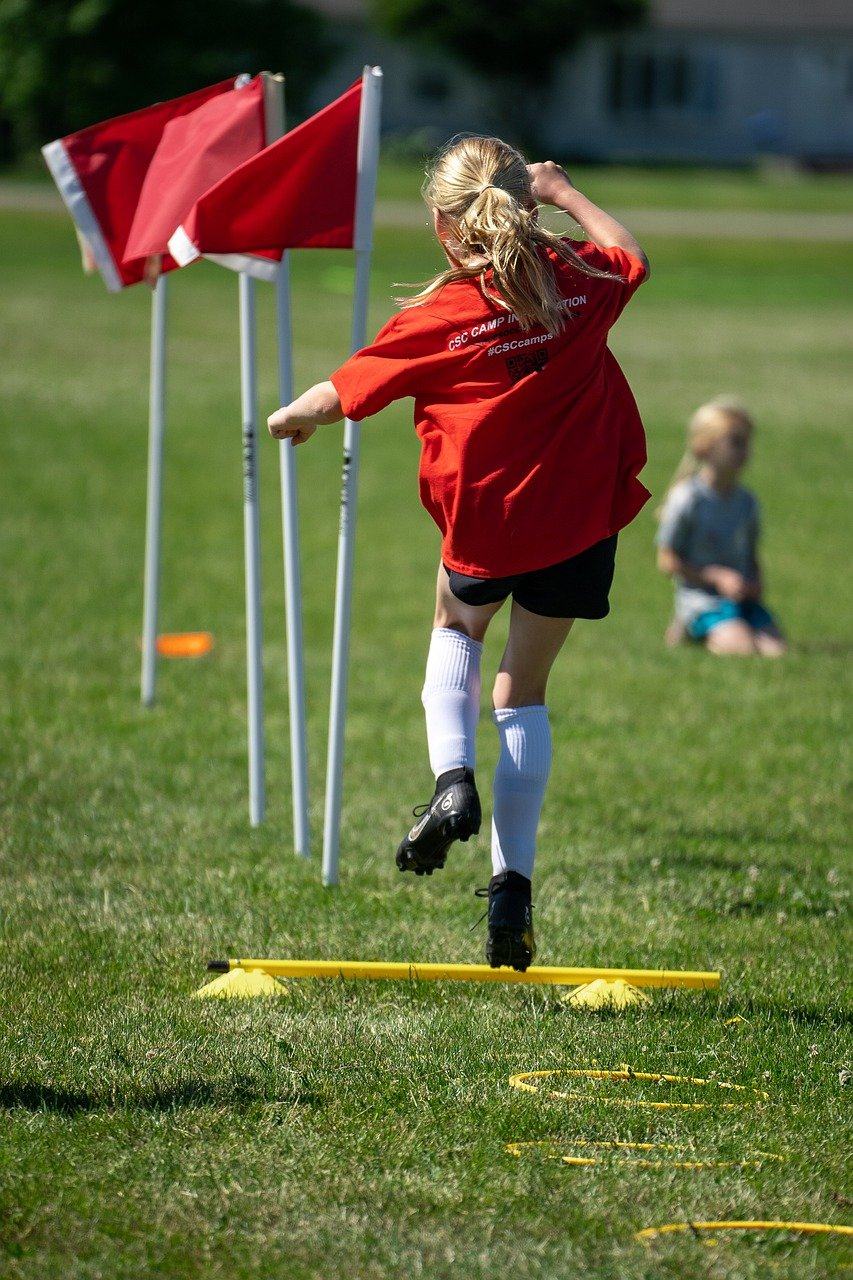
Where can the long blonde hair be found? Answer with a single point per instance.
(481, 187)
(708, 424)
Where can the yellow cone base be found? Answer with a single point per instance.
(240, 984)
(602, 994)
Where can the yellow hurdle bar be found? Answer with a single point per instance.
(378, 969)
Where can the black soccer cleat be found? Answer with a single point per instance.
(453, 813)
(510, 941)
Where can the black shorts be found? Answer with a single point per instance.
(574, 588)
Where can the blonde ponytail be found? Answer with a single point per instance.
(481, 186)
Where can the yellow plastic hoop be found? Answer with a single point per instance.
(520, 1081)
(805, 1228)
(753, 1161)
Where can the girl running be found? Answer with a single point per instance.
(531, 447)
(708, 538)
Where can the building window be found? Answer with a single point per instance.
(661, 82)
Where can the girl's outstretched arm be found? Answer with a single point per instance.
(299, 420)
(552, 185)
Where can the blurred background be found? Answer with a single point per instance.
(650, 81)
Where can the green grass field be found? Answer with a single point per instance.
(695, 818)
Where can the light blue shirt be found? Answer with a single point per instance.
(704, 527)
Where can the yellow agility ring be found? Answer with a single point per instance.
(625, 1073)
(806, 1228)
(753, 1160)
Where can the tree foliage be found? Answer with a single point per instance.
(67, 63)
(519, 40)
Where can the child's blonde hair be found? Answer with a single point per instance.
(482, 188)
(709, 423)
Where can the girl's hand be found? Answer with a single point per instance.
(281, 428)
(548, 181)
(730, 584)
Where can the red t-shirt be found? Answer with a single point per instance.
(531, 442)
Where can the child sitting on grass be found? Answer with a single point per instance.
(708, 539)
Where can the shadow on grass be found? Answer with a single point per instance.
(837, 1016)
(742, 837)
(840, 647)
(811, 908)
(671, 1006)
(31, 1095)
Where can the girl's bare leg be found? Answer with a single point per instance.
(531, 649)
(471, 619)
(770, 643)
(731, 637)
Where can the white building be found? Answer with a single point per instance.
(702, 80)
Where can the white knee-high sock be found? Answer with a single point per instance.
(451, 698)
(519, 786)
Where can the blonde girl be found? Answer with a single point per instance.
(708, 538)
(531, 448)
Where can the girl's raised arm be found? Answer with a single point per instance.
(552, 185)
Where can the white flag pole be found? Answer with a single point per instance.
(252, 546)
(368, 159)
(274, 106)
(154, 503)
(292, 576)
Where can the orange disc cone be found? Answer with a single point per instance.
(185, 644)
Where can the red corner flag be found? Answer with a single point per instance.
(100, 172)
(195, 151)
(299, 193)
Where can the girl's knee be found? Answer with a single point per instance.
(456, 620)
(508, 692)
(452, 622)
(731, 637)
(770, 645)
